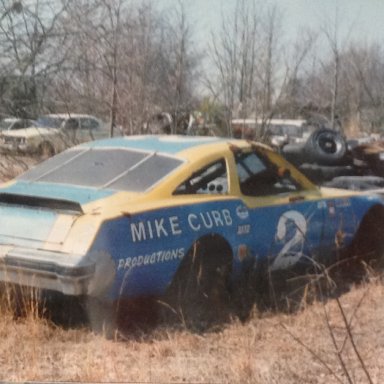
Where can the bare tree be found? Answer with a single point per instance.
(95, 28)
(234, 50)
(180, 40)
(257, 74)
(363, 86)
(292, 100)
(29, 36)
(141, 58)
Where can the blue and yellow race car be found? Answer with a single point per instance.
(175, 218)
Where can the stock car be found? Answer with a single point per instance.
(181, 220)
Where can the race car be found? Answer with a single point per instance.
(179, 220)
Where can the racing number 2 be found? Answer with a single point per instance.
(292, 250)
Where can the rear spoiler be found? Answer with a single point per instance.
(40, 202)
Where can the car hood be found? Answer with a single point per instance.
(29, 132)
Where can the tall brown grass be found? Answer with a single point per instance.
(271, 347)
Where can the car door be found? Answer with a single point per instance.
(286, 217)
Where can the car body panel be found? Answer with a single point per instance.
(60, 131)
(114, 242)
(71, 193)
(14, 123)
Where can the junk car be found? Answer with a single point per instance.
(178, 219)
(14, 123)
(53, 133)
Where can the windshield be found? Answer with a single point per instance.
(110, 168)
(5, 124)
(49, 122)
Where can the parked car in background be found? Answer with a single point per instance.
(192, 221)
(278, 131)
(53, 133)
(12, 123)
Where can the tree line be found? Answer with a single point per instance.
(127, 61)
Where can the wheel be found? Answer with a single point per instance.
(326, 147)
(198, 296)
(367, 248)
(46, 150)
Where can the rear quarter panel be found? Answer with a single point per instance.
(147, 247)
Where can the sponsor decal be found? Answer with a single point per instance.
(244, 229)
(150, 259)
(242, 212)
(343, 202)
(321, 205)
(331, 207)
(170, 226)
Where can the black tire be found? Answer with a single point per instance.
(294, 153)
(367, 247)
(198, 296)
(326, 147)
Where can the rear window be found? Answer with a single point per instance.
(118, 169)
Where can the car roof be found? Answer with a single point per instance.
(12, 119)
(69, 115)
(169, 144)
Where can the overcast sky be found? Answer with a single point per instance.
(363, 19)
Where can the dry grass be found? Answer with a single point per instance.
(309, 346)
(269, 348)
(13, 165)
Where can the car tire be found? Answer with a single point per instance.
(46, 150)
(198, 296)
(366, 252)
(326, 147)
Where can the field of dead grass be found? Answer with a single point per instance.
(340, 340)
(319, 344)
(13, 165)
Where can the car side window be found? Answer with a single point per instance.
(18, 125)
(89, 124)
(71, 124)
(210, 180)
(258, 176)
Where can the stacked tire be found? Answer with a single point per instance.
(322, 157)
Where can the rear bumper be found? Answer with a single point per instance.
(40, 269)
